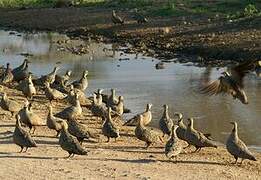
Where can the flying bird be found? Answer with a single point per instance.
(231, 82)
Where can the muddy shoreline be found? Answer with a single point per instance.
(206, 40)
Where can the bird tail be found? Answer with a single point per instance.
(126, 110)
(208, 135)
(83, 152)
(131, 122)
(211, 143)
(251, 157)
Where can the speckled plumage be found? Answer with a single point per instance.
(28, 88)
(70, 143)
(53, 122)
(145, 134)
(147, 117)
(119, 106)
(71, 111)
(21, 137)
(53, 94)
(21, 72)
(196, 138)
(173, 147)
(7, 76)
(62, 80)
(79, 130)
(9, 105)
(49, 78)
(165, 122)
(236, 147)
(30, 118)
(81, 84)
(109, 128)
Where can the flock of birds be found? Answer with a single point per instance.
(109, 109)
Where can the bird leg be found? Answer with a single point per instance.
(26, 149)
(21, 149)
(241, 161)
(175, 158)
(108, 139)
(33, 130)
(161, 139)
(187, 146)
(69, 156)
(197, 150)
(147, 145)
(58, 132)
(115, 140)
(236, 160)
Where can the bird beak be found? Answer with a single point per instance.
(246, 102)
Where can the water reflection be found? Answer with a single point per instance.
(140, 83)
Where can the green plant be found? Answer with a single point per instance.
(250, 10)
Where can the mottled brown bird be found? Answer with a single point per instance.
(147, 117)
(231, 82)
(21, 72)
(116, 19)
(7, 76)
(197, 138)
(53, 122)
(9, 105)
(165, 122)
(145, 134)
(82, 84)
(236, 147)
(109, 128)
(70, 143)
(21, 137)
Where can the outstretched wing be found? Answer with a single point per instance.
(221, 85)
(238, 72)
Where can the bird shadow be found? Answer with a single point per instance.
(193, 162)
(143, 151)
(143, 161)
(6, 133)
(5, 153)
(46, 142)
(6, 142)
(25, 157)
(7, 137)
(41, 136)
(7, 125)
(131, 149)
(127, 135)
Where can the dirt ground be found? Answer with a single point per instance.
(210, 39)
(124, 159)
(213, 39)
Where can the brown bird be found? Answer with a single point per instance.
(237, 148)
(231, 82)
(70, 143)
(8, 75)
(21, 137)
(116, 19)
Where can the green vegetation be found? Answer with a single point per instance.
(230, 8)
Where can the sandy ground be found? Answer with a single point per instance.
(124, 159)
